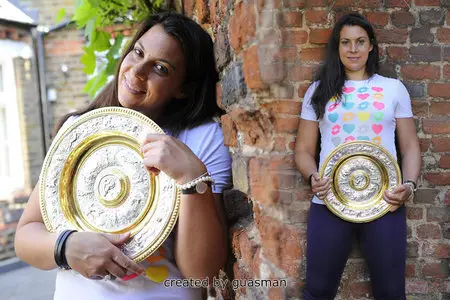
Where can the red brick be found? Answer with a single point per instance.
(64, 47)
(229, 131)
(446, 72)
(441, 144)
(427, 2)
(284, 107)
(286, 124)
(294, 3)
(312, 54)
(397, 53)
(414, 213)
(316, 17)
(290, 37)
(395, 36)
(438, 178)
(302, 88)
(319, 36)
(370, 3)
(436, 126)
(268, 4)
(242, 25)
(428, 231)
(419, 72)
(341, 3)
(273, 72)
(255, 127)
(448, 17)
(378, 19)
(443, 35)
(420, 109)
(252, 73)
(439, 90)
(202, 11)
(280, 144)
(438, 250)
(416, 287)
(316, 3)
(410, 270)
(435, 270)
(402, 19)
(269, 37)
(290, 19)
(398, 3)
(444, 162)
(440, 108)
(360, 289)
(300, 73)
(256, 264)
(424, 144)
(188, 7)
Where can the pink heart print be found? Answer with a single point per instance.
(377, 89)
(377, 128)
(378, 105)
(363, 96)
(348, 90)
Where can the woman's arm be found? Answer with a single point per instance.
(201, 240)
(409, 148)
(306, 147)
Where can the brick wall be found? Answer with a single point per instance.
(268, 52)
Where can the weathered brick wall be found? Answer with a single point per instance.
(267, 52)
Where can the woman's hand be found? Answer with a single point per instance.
(95, 255)
(398, 196)
(320, 187)
(166, 153)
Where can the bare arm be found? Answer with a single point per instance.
(409, 148)
(201, 242)
(33, 243)
(306, 147)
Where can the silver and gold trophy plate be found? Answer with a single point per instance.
(93, 179)
(360, 172)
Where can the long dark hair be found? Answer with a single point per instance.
(332, 76)
(200, 80)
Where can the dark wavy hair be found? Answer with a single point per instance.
(200, 79)
(332, 76)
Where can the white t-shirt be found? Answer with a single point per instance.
(367, 111)
(206, 141)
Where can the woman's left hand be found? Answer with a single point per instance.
(398, 196)
(166, 153)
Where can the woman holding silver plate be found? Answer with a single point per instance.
(168, 74)
(349, 104)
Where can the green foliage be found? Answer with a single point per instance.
(93, 16)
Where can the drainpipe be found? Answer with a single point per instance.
(38, 41)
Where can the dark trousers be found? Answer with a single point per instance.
(329, 242)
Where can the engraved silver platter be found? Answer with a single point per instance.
(360, 172)
(93, 179)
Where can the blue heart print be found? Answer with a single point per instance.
(336, 141)
(348, 105)
(363, 138)
(333, 117)
(349, 128)
(363, 89)
(348, 97)
(363, 105)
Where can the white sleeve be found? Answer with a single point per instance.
(308, 112)
(403, 102)
(214, 154)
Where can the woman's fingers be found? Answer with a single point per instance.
(116, 270)
(126, 263)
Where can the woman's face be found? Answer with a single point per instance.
(354, 48)
(152, 74)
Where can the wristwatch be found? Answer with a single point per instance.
(411, 182)
(199, 188)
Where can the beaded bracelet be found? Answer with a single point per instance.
(205, 177)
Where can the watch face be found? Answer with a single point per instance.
(201, 187)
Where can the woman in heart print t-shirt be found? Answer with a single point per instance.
(350, 102)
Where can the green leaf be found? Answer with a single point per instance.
(101, 42)
(116, 47)
(60, 15)
(111, 67)
(88, 60)
(90, 26)
(83, 13)
(95, 84)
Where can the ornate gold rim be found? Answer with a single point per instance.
(170, 223)
(379, 196)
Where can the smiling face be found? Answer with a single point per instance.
(152, 74)
(354, 49)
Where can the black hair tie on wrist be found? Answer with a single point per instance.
(310, 179)
(60, 249)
